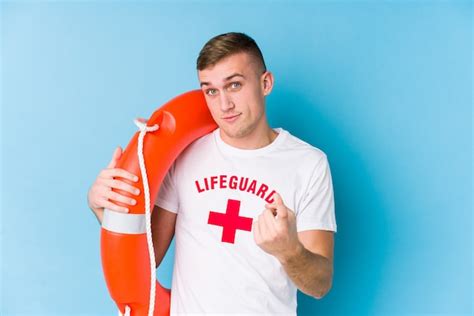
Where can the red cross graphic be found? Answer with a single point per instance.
(230, 221)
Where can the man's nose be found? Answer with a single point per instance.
(226, 102)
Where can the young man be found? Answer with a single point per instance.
(251, 207)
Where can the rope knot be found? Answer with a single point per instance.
(141, 124)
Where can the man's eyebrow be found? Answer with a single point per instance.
(204, 83)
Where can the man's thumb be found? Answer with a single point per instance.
(282, 212)
(115, 157)
(278, 199)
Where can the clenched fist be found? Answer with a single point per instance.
(275, 230)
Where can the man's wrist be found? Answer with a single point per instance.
(293, 254)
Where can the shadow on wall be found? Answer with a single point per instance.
(360, 243)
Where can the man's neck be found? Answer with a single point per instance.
(258, 138)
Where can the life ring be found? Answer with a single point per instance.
(127, 257)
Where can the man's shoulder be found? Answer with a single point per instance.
(201, 142)
(302, 148)
(199, 147)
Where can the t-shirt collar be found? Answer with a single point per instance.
(231, 150)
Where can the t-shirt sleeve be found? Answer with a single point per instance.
(316, 210)
(167, 197)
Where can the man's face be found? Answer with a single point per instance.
(235, 94)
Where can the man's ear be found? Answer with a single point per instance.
(267, 83)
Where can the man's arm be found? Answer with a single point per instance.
(162, 227)
(306, 256)
(310, 266)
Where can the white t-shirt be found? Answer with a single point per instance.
(217, 191)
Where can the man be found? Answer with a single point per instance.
(251, 207)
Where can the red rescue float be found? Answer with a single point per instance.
(127, 255)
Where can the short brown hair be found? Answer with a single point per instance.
(227, 44)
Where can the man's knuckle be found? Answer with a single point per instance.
(123, 173)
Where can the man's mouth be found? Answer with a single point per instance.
(231, 118)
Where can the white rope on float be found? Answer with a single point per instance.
(141, 160)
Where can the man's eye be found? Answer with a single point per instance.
(211, 91)
(235, 84)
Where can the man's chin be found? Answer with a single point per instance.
(233, 133)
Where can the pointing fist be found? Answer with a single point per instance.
(275, 230)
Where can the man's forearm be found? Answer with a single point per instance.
(310, 272)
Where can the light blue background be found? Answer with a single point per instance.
(384, 88)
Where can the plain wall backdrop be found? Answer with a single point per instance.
(383, 88)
